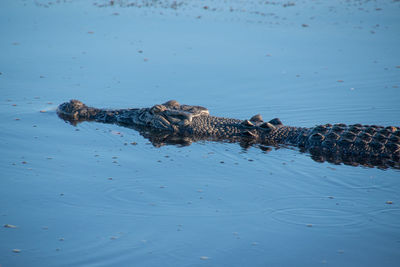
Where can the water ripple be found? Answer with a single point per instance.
(325, 211)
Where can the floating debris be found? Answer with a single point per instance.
(16, 250)
(204, 258)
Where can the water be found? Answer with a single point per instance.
(87, 196)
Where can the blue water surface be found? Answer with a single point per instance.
(102, 195)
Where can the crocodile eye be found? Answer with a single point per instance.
(157, 109)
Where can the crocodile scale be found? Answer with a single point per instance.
(173, 123)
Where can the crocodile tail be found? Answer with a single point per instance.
(355, 144)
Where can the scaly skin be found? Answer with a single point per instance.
(172, 123)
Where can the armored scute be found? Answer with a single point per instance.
(173, 123)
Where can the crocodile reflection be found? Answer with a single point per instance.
(174, 124)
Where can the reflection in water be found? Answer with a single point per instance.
(174, 124)
(117, 205)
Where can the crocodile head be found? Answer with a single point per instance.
(75, 111)
(168, 116)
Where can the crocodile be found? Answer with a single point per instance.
(173, 123)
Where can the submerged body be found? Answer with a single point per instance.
(172, 123)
